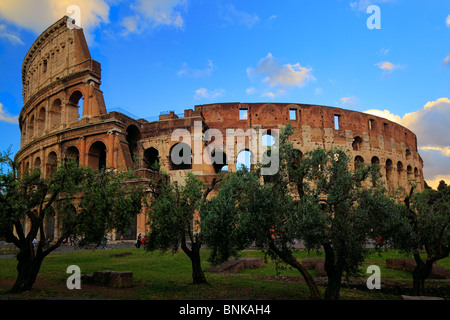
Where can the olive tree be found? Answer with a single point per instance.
(88, 203)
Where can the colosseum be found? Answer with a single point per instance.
(65, 117)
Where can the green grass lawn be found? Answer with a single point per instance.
(167, 276)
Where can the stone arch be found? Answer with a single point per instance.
(97, 156)
(357, 143)
(151, 158)
(75, 106)
(410, 173)
(41, 120)
(52, 163)
(31, 127)
(72, 153)
(180, 157)
(245, 158)
(375, 160)
(133, 137)
(55, 114)
(358, 161)
(24, 132)
(37, 164)
(222, 163)
(389, 172)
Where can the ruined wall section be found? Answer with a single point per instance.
(367, 138)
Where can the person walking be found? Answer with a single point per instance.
(139, 241)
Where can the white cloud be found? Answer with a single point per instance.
(154, 13)
(274, 74)
(386, 65)
(14, 39)
(250, 90)
(350, 101)
(447, 21)
(271, 94)
(231, 15)
(430, 125)
(204, 93)
(39, 15)
(4, 116)
(385, 114)
(186, 71)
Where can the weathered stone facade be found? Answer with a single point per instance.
(64, 116)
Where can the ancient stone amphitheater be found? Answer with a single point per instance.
(64, 117)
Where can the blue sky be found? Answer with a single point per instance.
(161, 55)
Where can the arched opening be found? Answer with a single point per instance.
(409, 171)
(389, 175)
(400, 171)
(52, 163)
(133, 136)
(180, 157)
(97, 156)
(219, 162)
(41, 120)
(268, 139)
(55, 115)
(357, 143)
(358, 162)
(151, 158)
(75, 106)
(31, 127)
(408, 154)
(72, 153)
(245, 159)
(37, 164)
(24, 132)
(375, 160)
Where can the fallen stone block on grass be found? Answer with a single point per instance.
(107, 278)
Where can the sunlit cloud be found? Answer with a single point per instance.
(204, 93)
(4, 116)
(275, 74)
(38, 15)
(151, 14)
(430, 124)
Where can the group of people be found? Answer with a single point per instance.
(140, 241)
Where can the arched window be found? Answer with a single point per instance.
(97, 156)
(389, 175)
(72, 153)
(375, 160)
(180, 156)
(399, 168)
(41, 121)
(245, 158)
(219, 161)
(133, 136)
(151, 158)
(358, 161)
(357, 143)
(52, 163)
(409, 171)
(55, 115)
(31, 127)
(37, 164)
(75, 106)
